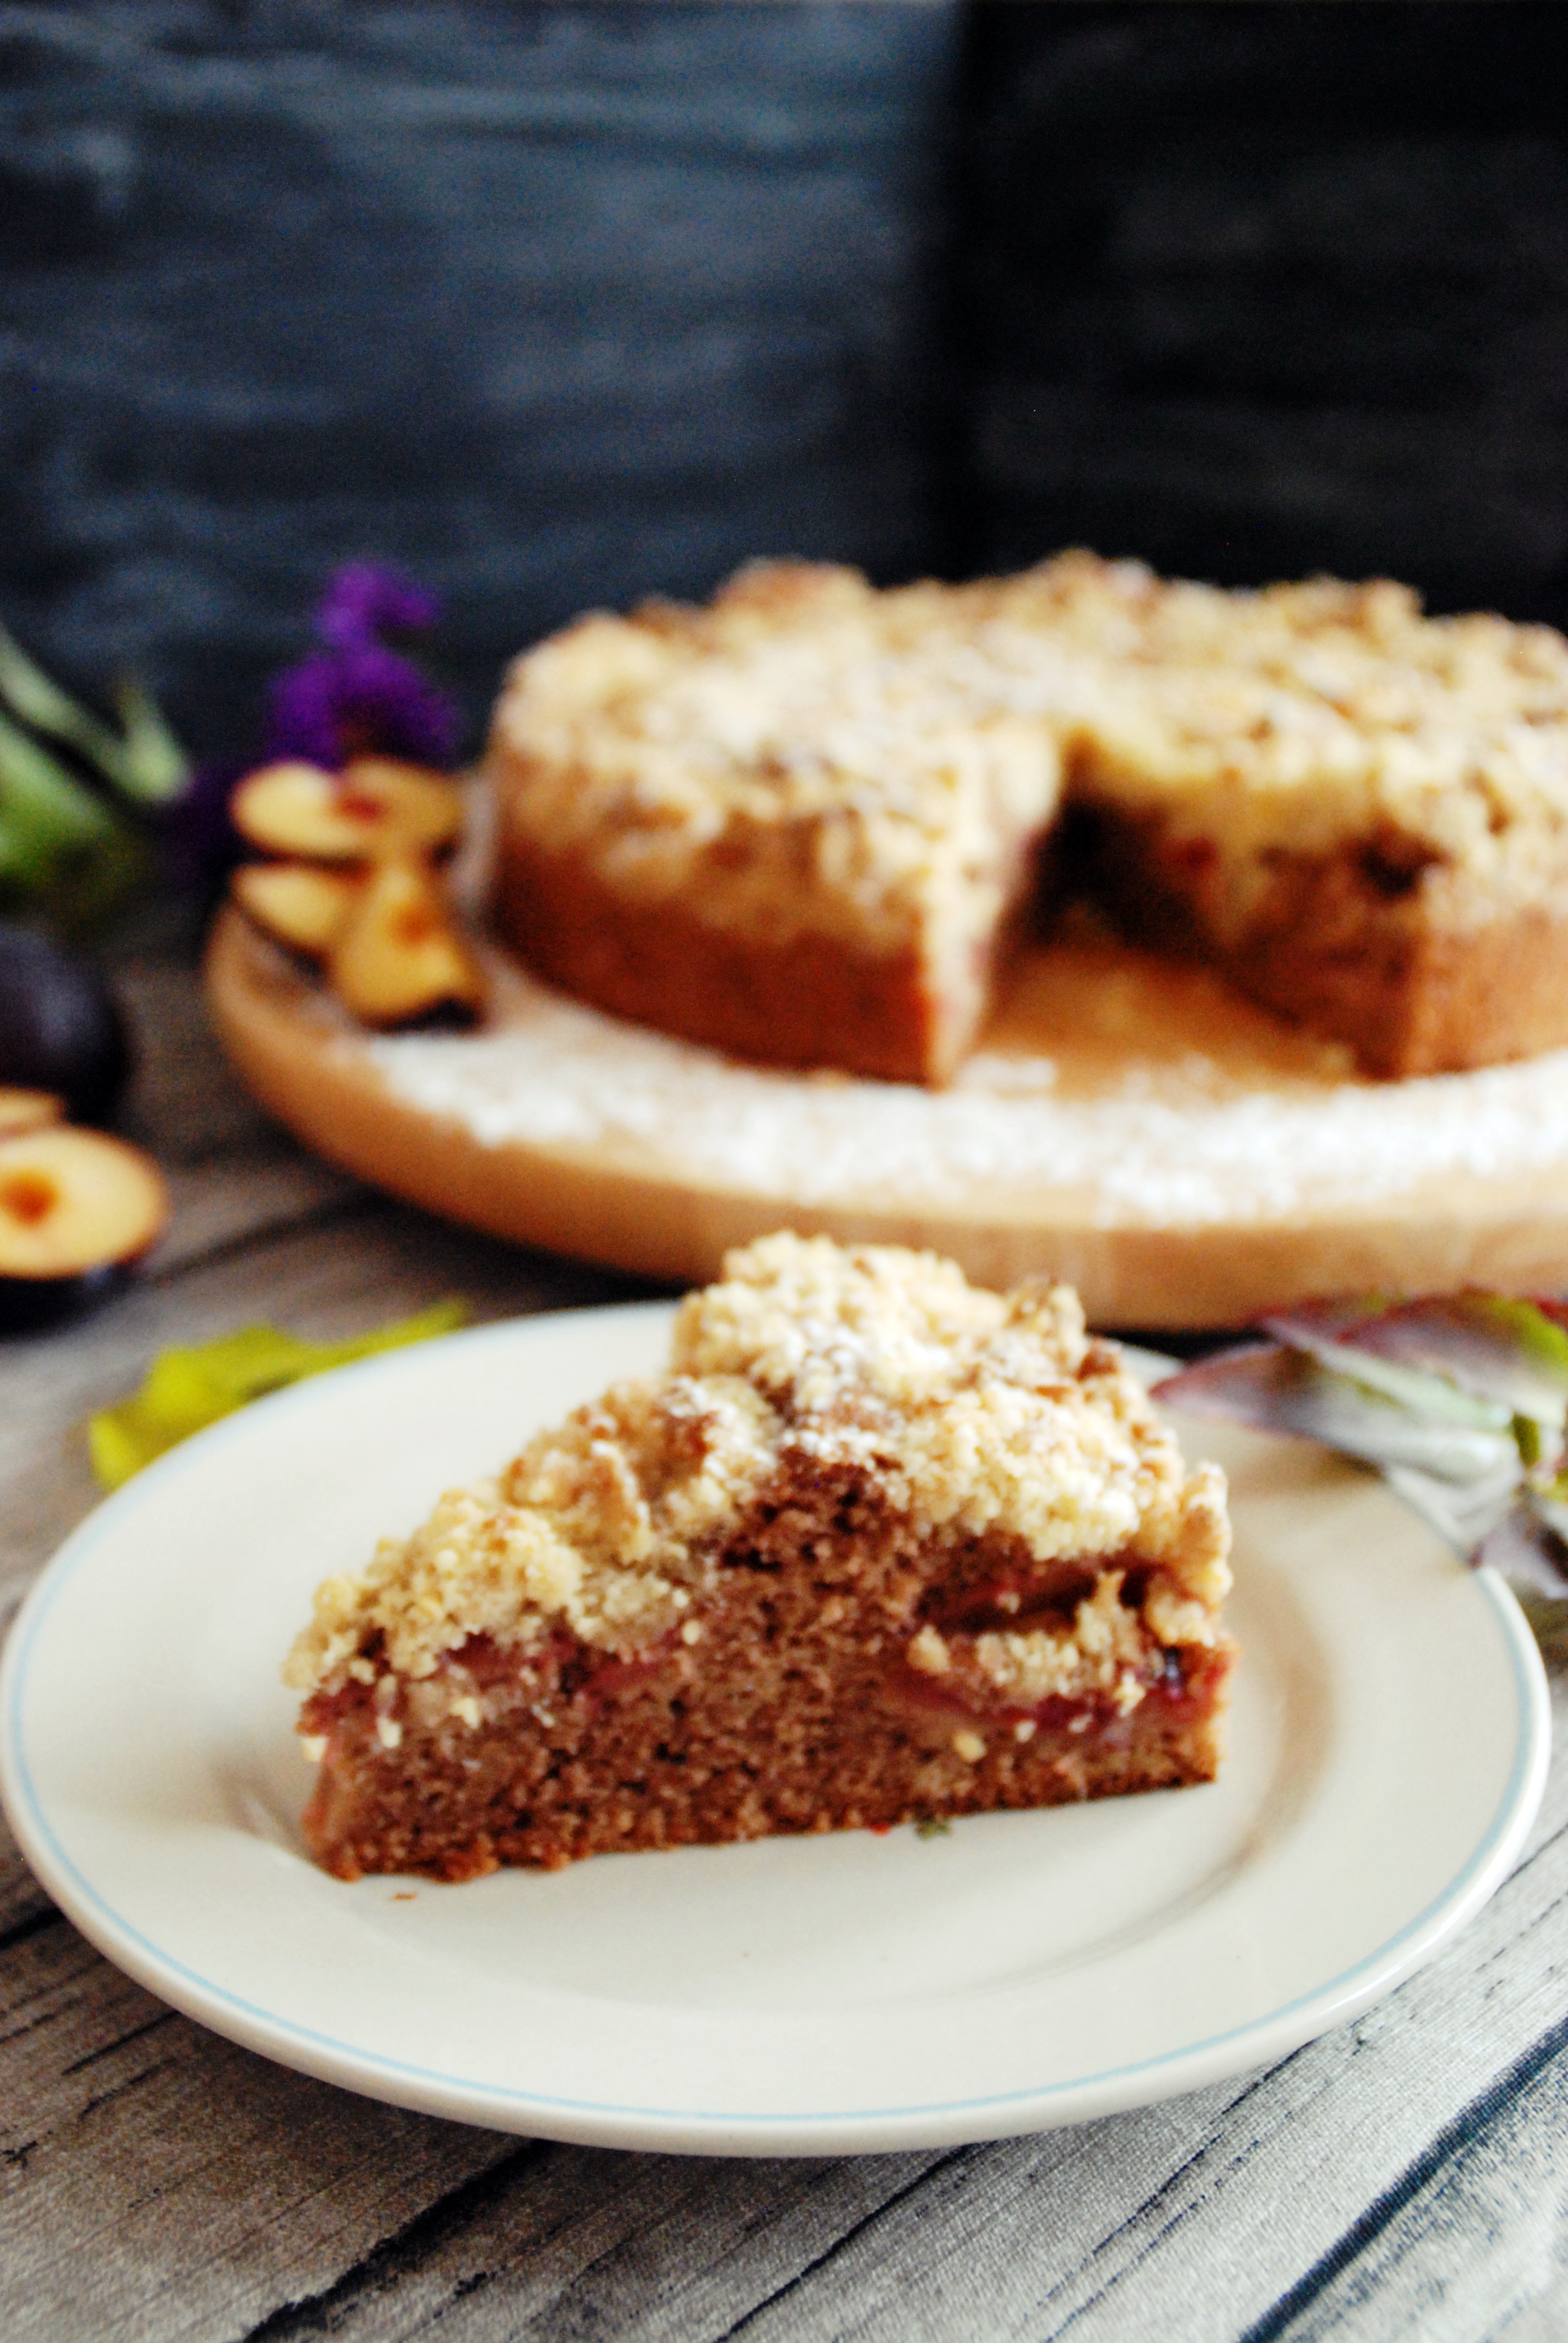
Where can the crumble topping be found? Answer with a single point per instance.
(823, 755)
(1099, 1653)
(808, 752)
(974, 1412)
(591, 1528)
(981, 1411)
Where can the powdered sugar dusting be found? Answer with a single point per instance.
(1169, 1146)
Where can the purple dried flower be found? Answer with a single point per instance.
(363, 601)
(365, 701)
(358, 698)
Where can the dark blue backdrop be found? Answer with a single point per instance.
(1260, 290)
(560, 304)
(554, 304)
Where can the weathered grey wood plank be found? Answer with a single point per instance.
(21, 1900)
(1542, 2317)
(156, 2182)
(185, 1103)
(1477, 2229)
(585, 2243)
(1094, 2232)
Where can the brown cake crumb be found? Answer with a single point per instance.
(879, 1545)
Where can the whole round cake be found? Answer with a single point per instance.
(802, 824)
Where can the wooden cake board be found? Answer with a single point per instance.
(1081, 1019)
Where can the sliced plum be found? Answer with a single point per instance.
(399, 956)
(77, 1211)
(375, 807)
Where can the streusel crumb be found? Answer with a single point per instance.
(974, 1414)
(804, 823)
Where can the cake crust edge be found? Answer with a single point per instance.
(807, 1001)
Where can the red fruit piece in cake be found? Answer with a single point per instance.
(77, 1210)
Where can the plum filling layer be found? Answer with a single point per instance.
(936, 1672)
(1178, 1679)
(557, 1673)
(1056, 1647)
(1017, 1600)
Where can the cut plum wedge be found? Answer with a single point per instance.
(375, 807)
(398, 956)
(301, 904)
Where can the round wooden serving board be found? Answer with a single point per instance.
(1129, 1124)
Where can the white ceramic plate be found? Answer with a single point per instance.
(794, 1995)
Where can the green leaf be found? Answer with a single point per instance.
(156, 769)
(40, 702)
(1458, 1400)
(43, 803)
(1540, 1338)
(144, 761)
(1289, 1390)
(61, 847)
(1528, 1439)
(186, 1389)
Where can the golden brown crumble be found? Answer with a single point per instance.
(976, 1413)
(821, 756)
(813, 754)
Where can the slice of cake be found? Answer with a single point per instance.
(879, 1546)
(800, 824)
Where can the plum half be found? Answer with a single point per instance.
(359, 888)
(375, 807)
(304, 905)
(77, 1211)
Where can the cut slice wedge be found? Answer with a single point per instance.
(399, 956)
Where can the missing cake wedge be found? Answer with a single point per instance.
(879, 1546)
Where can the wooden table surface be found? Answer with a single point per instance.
(1407, 2176)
